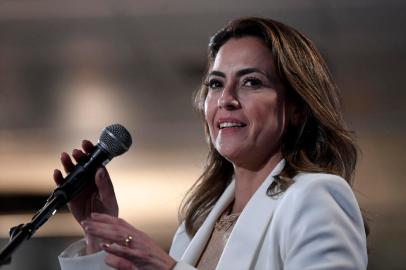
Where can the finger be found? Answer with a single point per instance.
(118, 262)
(105, 218)
(121, 251)
(116, 233)
(110, 231)
(67, 162)
(87, 146)
(106, 189)
(114, 221)
(79, 155)
(141, 256)
(107, 231)
(58, 178)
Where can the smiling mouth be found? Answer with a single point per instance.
(231, 125)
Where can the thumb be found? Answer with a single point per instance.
(105, 188)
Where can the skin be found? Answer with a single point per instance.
(95, 198)
(243, 90)
(97, 212)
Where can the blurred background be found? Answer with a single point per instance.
(69, 68)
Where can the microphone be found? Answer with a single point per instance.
(114, 141)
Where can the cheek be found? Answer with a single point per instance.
(269, 118)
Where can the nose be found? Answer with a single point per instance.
(228, 99)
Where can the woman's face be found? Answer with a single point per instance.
(246, 109)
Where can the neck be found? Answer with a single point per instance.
(247, 181)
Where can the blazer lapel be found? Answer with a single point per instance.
(245, 239)
(199, 241)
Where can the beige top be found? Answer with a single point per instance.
(218, 239)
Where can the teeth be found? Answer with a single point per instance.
(230, 125)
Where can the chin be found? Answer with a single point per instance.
(229, 153)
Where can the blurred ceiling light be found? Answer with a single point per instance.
(89, 104)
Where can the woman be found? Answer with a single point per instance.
(273, 194)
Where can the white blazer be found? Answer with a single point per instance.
(315, 224)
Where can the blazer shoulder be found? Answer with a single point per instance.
(320, 193)
(319, 215)
(325, 179)
(314, 183)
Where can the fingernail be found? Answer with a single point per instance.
(105, 245)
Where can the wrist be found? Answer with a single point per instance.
(92, 244)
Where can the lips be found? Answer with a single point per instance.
(230, 123)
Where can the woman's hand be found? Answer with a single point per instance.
(127, 247)
(98, 197)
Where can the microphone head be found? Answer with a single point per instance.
(115, 140)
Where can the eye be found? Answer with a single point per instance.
(214, 84)
(252, 82)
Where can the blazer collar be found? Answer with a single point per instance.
(196, 246)
(247, 232)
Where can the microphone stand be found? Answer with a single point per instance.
(24, 231)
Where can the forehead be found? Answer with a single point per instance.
(243, 52)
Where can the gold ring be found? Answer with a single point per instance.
(127, 240)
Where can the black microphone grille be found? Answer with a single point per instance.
(115, 139)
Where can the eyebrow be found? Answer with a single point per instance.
(240, 73)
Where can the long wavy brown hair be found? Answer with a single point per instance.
(321, 143)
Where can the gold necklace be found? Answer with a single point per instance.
(226, 220)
